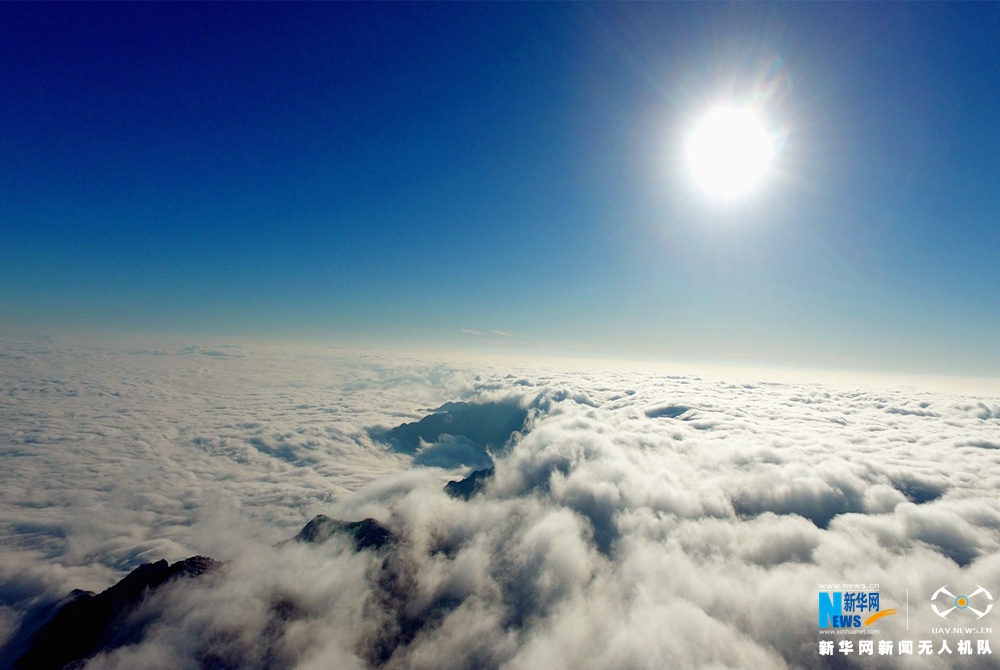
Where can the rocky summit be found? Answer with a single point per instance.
(85, 624)
(365, 534)
(90, 623)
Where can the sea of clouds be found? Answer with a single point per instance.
(641, 519)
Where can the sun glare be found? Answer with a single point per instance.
(729, 152)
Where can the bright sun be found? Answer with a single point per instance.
(729, 152)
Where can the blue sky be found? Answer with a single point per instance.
(429, 174)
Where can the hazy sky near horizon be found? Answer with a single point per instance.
(506, 175)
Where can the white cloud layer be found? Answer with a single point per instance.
(641, 520)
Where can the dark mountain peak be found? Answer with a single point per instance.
(88, 623)
(471, 485)
(195, 566)
(152, 575)
(490, 425)
(83, 624)
(367, 533)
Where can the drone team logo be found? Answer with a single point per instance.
(961, 602)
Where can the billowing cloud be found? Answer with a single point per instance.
(631, 520)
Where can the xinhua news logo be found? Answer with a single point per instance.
(950, 602)
(850, 609)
